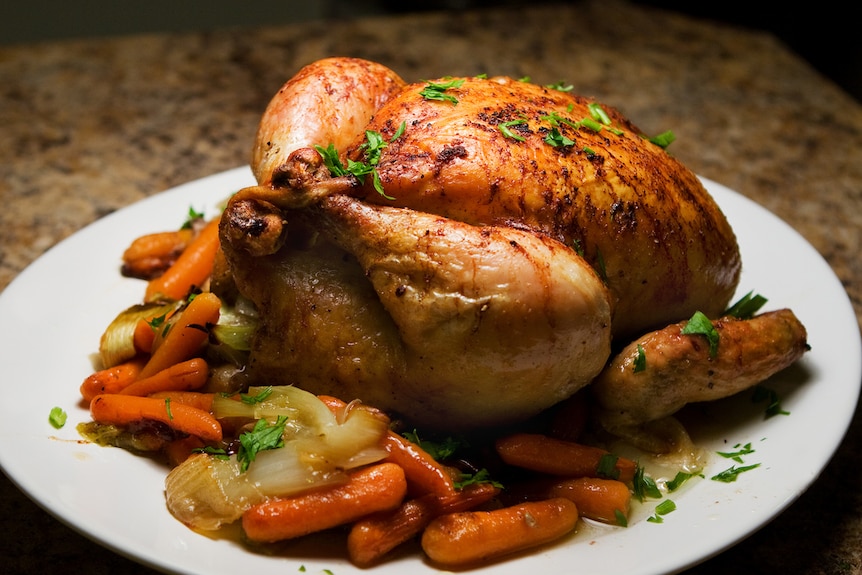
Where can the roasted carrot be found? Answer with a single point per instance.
(192, 268)
(123, 410)
(198, 399)
(112, 379)
(143, 337)
(371, 538)
(184, 376)
(148, 256)
(179, 450)
(461, 539)
(424, 473)
(545, 454)
(187, 335)
(370, 489)
(597, 498)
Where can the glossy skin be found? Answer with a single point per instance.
(641, 218)
(327, 102)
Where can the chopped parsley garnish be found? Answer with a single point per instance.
(504, 127)
(699, 324)
(746, 306)
(439, 450)
(481, 476)
(560, 86)
(190, 218)
(371, 149)
(621, 518)
(645, 486)
(168, 408)
(57, 417)
(729, 475)
(556, 139)
(640, 360)
(664, 139)
(598, 113)
(677, 482)
(261, 438)
(773, 406)
(662, 509)
(256, 398)
(737, 455)
(436, 91)
(607, 467)
(216, 452)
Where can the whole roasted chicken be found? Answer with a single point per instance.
(466, 252)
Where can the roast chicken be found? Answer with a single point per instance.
(465, 252)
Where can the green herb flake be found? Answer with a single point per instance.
(561, 86)
(664, 139)
(699, 324)
(598, 113)
(773, 406)
(729, 475)
(607, 467)
(256, 398)
(589, 151)
(556, 139)
(621, 518)
(261, 438)
(662, 509)
(57, 417)
(639, 363)
(436, 91)
(644, 486)
(168, 408)
(505, 129)
(439, 450)
(737, 455)
(746, 306)
(216, 452)
(481, 476)
(677, 482)
(192, 216)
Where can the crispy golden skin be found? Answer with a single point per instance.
(640, 217)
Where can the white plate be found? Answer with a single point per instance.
(55, 311)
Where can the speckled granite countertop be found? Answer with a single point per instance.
(87, 127)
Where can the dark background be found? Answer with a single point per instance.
(822, 32)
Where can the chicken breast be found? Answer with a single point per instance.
(506, 152)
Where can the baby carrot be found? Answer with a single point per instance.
(122, 410)
(179, 450)
(596, 498)
(374, 536)
(557, 457)
(150, 255)
(186, 336)
(368, 490)
(198, 399)
(143, 337)
(112, 379)
(192, 268)
(184, 376)
(423, 472)
(460, 539)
